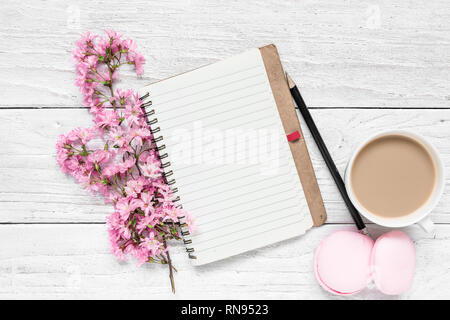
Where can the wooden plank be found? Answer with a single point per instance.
(348, 54)
(34, 190)
(73, 261)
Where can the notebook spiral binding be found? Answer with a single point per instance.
(151, 120)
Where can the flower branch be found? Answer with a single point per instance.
(116, 157)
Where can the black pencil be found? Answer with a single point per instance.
(325, 154)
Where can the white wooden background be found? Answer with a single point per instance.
(362, 66)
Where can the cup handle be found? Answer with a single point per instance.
(426, 224)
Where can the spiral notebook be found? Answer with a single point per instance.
(221, 134)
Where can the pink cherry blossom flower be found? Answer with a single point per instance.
(146, 222)
(125, 206)
(147, 203)
(139, 134)
(82, 134)
(118, 137)
(133, 113)
(171, 214)
(151, 170)
(111, 170)
(116, 157)
(138, 60)
(152, 244)
(190, 222)
(126, 165)
(107, 119)
(99, 156)
(134, 187)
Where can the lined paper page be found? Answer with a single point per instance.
(229, 156)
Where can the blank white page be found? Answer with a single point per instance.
(229, 156)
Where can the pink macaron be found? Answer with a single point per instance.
(346, 262)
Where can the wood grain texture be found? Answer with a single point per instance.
(343, 54)
(362, 67)
(73, 261)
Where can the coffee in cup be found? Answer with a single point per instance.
(395, 178)
(392, 176)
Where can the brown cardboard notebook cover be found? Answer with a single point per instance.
(291, 123)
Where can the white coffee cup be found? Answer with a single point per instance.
(420, 215)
